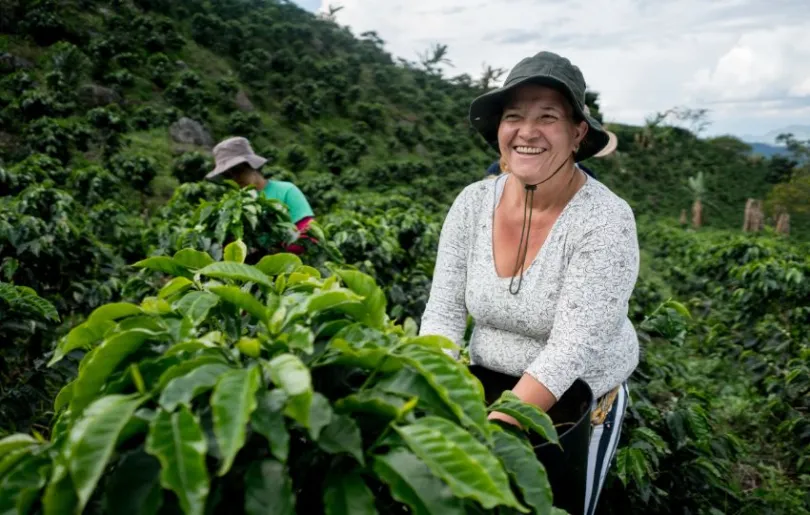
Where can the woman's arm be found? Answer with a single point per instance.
(446, 310)
(591, 311)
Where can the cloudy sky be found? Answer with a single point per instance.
(747, 61)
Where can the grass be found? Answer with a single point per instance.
(154, 143)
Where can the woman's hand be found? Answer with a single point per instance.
(496, 415)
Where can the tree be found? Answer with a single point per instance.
(489, 76)
(592, 101)
(437, 54)
(793, 196)
(799, 150)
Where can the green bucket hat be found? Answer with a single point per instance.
(546, 69)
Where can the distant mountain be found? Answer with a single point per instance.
(766, 150)
(800, 132)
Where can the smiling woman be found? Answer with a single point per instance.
(544, 258)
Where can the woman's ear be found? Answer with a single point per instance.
(581, 129)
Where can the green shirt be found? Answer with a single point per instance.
(291, 196)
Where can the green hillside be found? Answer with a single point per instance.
(108, 112)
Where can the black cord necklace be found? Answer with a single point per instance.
(520, 262)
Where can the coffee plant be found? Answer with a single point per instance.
(164, 351)
(274, 385)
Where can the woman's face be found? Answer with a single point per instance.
(241, 174)
(537, 133)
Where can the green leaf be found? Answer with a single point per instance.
(433, 341)
(290, 374)
(461, 461)
(412, 483)
(155, 306)
(374, 402)
(282, 263)
(324, 300)
(114, 311)
(358, 282)
(320, 415)
(60, 495)
(347, 494)
(177, 441)
(185, 367)
(678, 307)
(195, 305)
(528, 415)
(232, 402)
(92, 440)
(103, 361)
(164, 264)
(189, 347)
(192, 259)
(236, 272)
(235, 252)
(408, 383)
(183, 389)
(20, 486)
(13, 458)
(14, 442)
(342, 435)
(364, 347)
(80, 337)
(243, 300)
(134, 486)
(453, 382)
(373, 312)
(309, 271)
(268, 421)
(175, 286)
(529, 474)
(299, 337)
(268, 489)
(143, 322)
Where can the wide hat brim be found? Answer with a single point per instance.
(253, 160)
(485, 113)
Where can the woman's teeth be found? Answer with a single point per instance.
(528, 150)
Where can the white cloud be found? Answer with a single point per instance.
(642, 56)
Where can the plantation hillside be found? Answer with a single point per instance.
(139, 302)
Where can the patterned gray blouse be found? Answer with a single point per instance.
(569, 319)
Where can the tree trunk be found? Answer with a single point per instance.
(683, 220)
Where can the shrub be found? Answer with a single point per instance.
(244, 124)
(192, 166)
(135, 170)
(243, 389)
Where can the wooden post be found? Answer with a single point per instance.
(747, 215)
(758, 216)
(697, 214)
(783, 223)
(754, 218)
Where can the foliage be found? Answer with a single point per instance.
(712, 383)
(245, 388)
(380, 146)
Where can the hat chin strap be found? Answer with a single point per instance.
(520, 261)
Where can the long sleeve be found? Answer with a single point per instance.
(590, 336)
(446, 311)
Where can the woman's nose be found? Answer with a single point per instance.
(529, 130)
